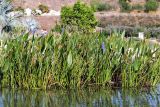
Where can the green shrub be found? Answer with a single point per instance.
(133, 31)
(43, 8)
(137, 7)
(80, 16)
(151, 5)
(125, 6)
(101, 6)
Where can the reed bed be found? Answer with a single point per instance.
(77, 61)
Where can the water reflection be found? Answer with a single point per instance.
(85, 98)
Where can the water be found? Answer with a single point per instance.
(81, 98)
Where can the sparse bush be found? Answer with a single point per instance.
(125, 6)
(100, 6)
(19, 9)
(133, 31)
(138, 7)
(151, 5)
(80, 16)
(43, 8)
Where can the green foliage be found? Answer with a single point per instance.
(79, 61)
(151, 5)
(57, 28)
(80, 16)
(100, 6)
(153, 31)
(125, 6)
(138, 7)
(43, 8)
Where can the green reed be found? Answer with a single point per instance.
(76, 60)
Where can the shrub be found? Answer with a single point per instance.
(43, 8)
(133, 31)
(125, 6)
(19, 9)
(99, 6)
(138, 7)
(80, 16)
(151, 5)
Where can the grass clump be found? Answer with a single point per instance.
(125, 6)
(138, 7)
(100, 6)
(79, 61)
(151, 5)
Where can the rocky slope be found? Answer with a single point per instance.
(105, 18)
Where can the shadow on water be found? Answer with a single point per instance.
(82, 98)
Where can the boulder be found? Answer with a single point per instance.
(54, 13)
(28, 12)
(39, 12)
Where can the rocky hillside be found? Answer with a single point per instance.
(111, 14)
(54, 4)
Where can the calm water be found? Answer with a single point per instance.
(85, 98)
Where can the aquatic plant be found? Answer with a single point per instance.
(78, 61)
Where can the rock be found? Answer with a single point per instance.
(15, 14)
(39, 12)
(51, 13)
(28, 12)
(141, 35)
(54, 13)
(45, 14)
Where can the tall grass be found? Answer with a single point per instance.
(75, 60)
